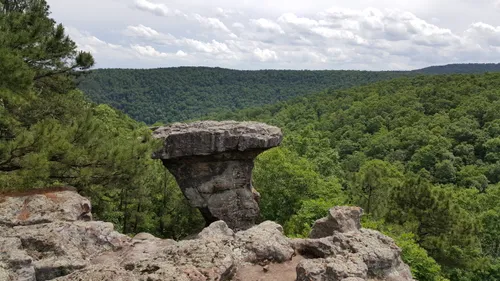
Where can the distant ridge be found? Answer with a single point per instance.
(182, 93)
(460, 68)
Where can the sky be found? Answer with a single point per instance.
(283, 34)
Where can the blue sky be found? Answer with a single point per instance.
(279, 34)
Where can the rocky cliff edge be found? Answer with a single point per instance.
(49, 235)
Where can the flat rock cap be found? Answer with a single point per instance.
(212, 137)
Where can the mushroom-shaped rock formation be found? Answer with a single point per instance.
(212, 163)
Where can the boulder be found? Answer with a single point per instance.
(67, 247)
(47, 233)
(366, 254)
(215, 254)
(263, 243)
(341, 250)
(43, 206)
(212, 163)
(339, 219)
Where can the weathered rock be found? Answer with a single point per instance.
(334, 268)
(69, 250)
(263, 242)
(42, 206)
(217, 230)
(212, 137)
(215, 254)
(212, 163)
(346, 252)
(339, 219)
(366, 254)
(58, 248)
(15, 263)
(46, 234)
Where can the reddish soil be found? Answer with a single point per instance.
(276, 271)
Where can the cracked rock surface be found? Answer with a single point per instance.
(212, 163)
(53, 241)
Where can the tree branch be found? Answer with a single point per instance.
(48, 74)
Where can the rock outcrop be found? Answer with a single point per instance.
(53, 241)
(47, 234)
(341, 250)
(339, 219)
(212, 163)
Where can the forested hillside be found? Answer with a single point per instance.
(176, 94)
(420, 155)
(461, 68)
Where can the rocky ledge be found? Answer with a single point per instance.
(48, 235)
(212, 163)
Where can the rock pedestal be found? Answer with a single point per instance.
(212, 163)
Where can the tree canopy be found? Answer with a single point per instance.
(50, 135)
(178, 94)
(419, 154)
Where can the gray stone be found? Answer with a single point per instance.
(339, 219)
(46, 234)
(212, 163)
(217, 230)
(144, 236)
(15, 263)
(79, 250)
(332, 268)
(359, 255)
(311, 270)
(42, 206)
(263, 242)
(212, 137)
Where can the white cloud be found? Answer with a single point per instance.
(211, 22)
(147, 33)
(214, 47)
(157, 9)
(225, 13)
(87, 42)
(144, 32)
(292, 19)
(150, 51)
(265, 55)
(238, 25)
(267, 25)
(337, 34)
(484, 34)
(106, 54)
(141, 31)
(181, 53)
(228, 36)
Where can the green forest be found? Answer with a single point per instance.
(420, 154)
(175, 94)
(461, 68)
